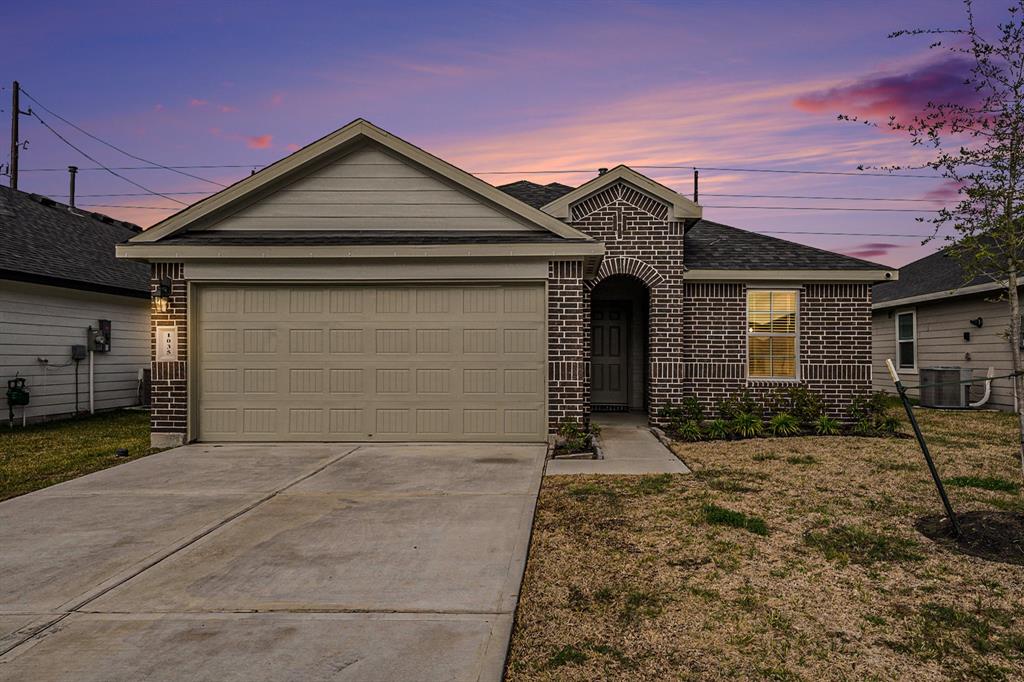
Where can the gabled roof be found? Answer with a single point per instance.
(47, 242)
(533, 194)
(709, 246)
(682, 208)
(936, 276)
(336, 145)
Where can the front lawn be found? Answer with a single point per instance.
(786, 558)
(42, 455)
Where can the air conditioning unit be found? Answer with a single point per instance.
(941, 387)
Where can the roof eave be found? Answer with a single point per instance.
(778, 275)
(934, 296)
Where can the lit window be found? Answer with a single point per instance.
(906, 339)
(772, 334)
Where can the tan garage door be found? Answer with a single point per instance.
(371, 362)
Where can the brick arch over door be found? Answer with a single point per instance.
(623, 265)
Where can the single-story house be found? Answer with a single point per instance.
(363, 289)
(934, 317)
(59, 278)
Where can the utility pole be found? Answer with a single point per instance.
(16, 112)
(696, 180)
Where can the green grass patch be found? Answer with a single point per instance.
(720, 516)
(801, 459)
(567, 655)
(45, 454)
(854, 544)
(984, 482)
(654, 485)
(641, 604)
(765, 457)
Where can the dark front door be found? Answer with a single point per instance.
(609, 356)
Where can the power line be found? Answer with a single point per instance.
(115, 147)
(532, 172)
(828, 208)
(846, 234)
(791, 196)
(148, 208)
(129, 194)
(109, 170)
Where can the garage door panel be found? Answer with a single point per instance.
(454, 362)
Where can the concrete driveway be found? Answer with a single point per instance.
(283, 562)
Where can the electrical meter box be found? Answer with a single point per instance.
(99, 337)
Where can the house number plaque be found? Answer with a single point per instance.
(166, 344)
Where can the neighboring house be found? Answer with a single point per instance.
(363, 289)
(58, 277)
(933, 317)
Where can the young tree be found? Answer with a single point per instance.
(979, 146)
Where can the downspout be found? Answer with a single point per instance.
(92, 400)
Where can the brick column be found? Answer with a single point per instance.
(568, 344)
(169, 393)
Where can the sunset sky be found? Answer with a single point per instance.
(497, 86)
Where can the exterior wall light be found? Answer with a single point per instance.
(162, 295)
(977, 322)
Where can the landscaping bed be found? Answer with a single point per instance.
(781, 558)
(42, 455)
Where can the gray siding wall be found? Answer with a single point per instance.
(940, 329)
(44, 322)
(369, 190)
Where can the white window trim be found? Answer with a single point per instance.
(747, 335)
(896, 319)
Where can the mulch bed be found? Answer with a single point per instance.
(990, 535)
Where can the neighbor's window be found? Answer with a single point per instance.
(906, 339)
(771, 327)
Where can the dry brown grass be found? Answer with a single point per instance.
(627, 579)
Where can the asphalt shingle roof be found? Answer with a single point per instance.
(712, 246)
(47, 242)
(533, 194)
(937, 272)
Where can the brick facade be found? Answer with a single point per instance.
(568, 344)
(834, 335)
(169, 393)
(641, 241)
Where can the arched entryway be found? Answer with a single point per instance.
(619, 341)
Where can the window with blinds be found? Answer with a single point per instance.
(772, 333)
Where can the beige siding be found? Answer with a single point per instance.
(44, 322)
(940, 329)
(370, 190)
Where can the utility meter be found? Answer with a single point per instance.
(99, 337)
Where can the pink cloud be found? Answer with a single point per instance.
(276, 99)
(226, 108)
(947, 191)
(259, 141)
(194, 102)
(872, 250)
(896, 94)
(292, 147)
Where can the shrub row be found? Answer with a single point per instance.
(793, 411)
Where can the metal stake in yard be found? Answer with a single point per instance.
(950, 514)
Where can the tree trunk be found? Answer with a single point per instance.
(1018, 379)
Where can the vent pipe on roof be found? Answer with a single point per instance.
(602, 171)
(72, 171)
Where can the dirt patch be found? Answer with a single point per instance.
(989, 535)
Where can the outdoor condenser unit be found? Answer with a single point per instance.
(939, 387)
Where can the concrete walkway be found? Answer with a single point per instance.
(629, 448)
(271, 562)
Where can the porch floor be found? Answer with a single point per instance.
(629, 448)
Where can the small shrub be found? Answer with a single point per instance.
(825, 425)
(717, 429)
(983, 482)
(742, 403)
(800, 402)
(688, 431)
(854, 544)
(574, 437)
(720, 516)
(784, 424)
(870, 415)
(747, 425)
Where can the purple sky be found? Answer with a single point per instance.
(495, 86)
